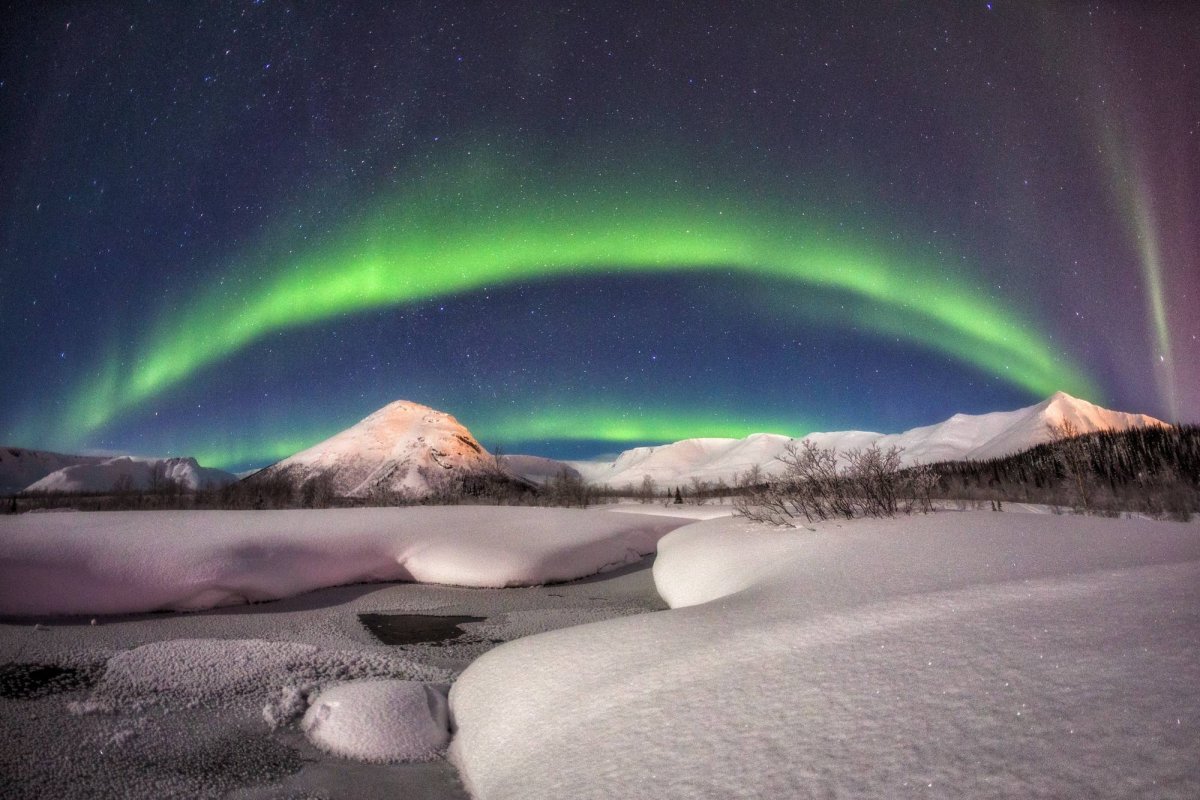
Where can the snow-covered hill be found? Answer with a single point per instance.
(537, 469)
(402, 447)
(125, 472)
(20, 467)
(962, 436)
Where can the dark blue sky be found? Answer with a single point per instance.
(230, 230)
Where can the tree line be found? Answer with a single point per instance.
(1154, 471)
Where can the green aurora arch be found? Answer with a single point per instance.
(487, 229)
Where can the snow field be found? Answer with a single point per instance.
(974, 654)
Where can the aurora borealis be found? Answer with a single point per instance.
(233, 231)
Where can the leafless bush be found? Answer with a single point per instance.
(815, 485)
(317, 492)
(873, 481)
(568, 489)
(648, 491)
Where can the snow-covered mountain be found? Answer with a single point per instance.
(20, 467)
(402, 447)
(963, 436)
(126, 472)
(537, 469)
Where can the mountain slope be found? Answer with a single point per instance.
(20, 467)
(963, 436)
(537, 469)
(127, 472)
(403, 447)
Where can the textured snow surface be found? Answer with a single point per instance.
(135, 473)
(955, 655)
(380, 720)
(121, 562)
(202, 718)
(222, 673)
(963, 436)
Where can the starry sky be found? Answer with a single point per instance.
(232, 229)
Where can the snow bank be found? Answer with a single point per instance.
(109, 563)
(380, 721)
(955, 655)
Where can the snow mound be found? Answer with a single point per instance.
(380, 721)
(403, 447)
(963, 436)
(131, 473)
(123, 562)
(954, 655)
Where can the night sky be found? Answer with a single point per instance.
(231, 230)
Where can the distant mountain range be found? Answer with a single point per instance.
(43, 471)
(410, 448)
(961, 437)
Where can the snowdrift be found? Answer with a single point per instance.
(121, 562)
(955, 655)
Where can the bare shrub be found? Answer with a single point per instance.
(815, 484)
(568, 489)
(648, 490)
(317, 492)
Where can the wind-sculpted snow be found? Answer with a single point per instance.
(954, 655)
(121, 562)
